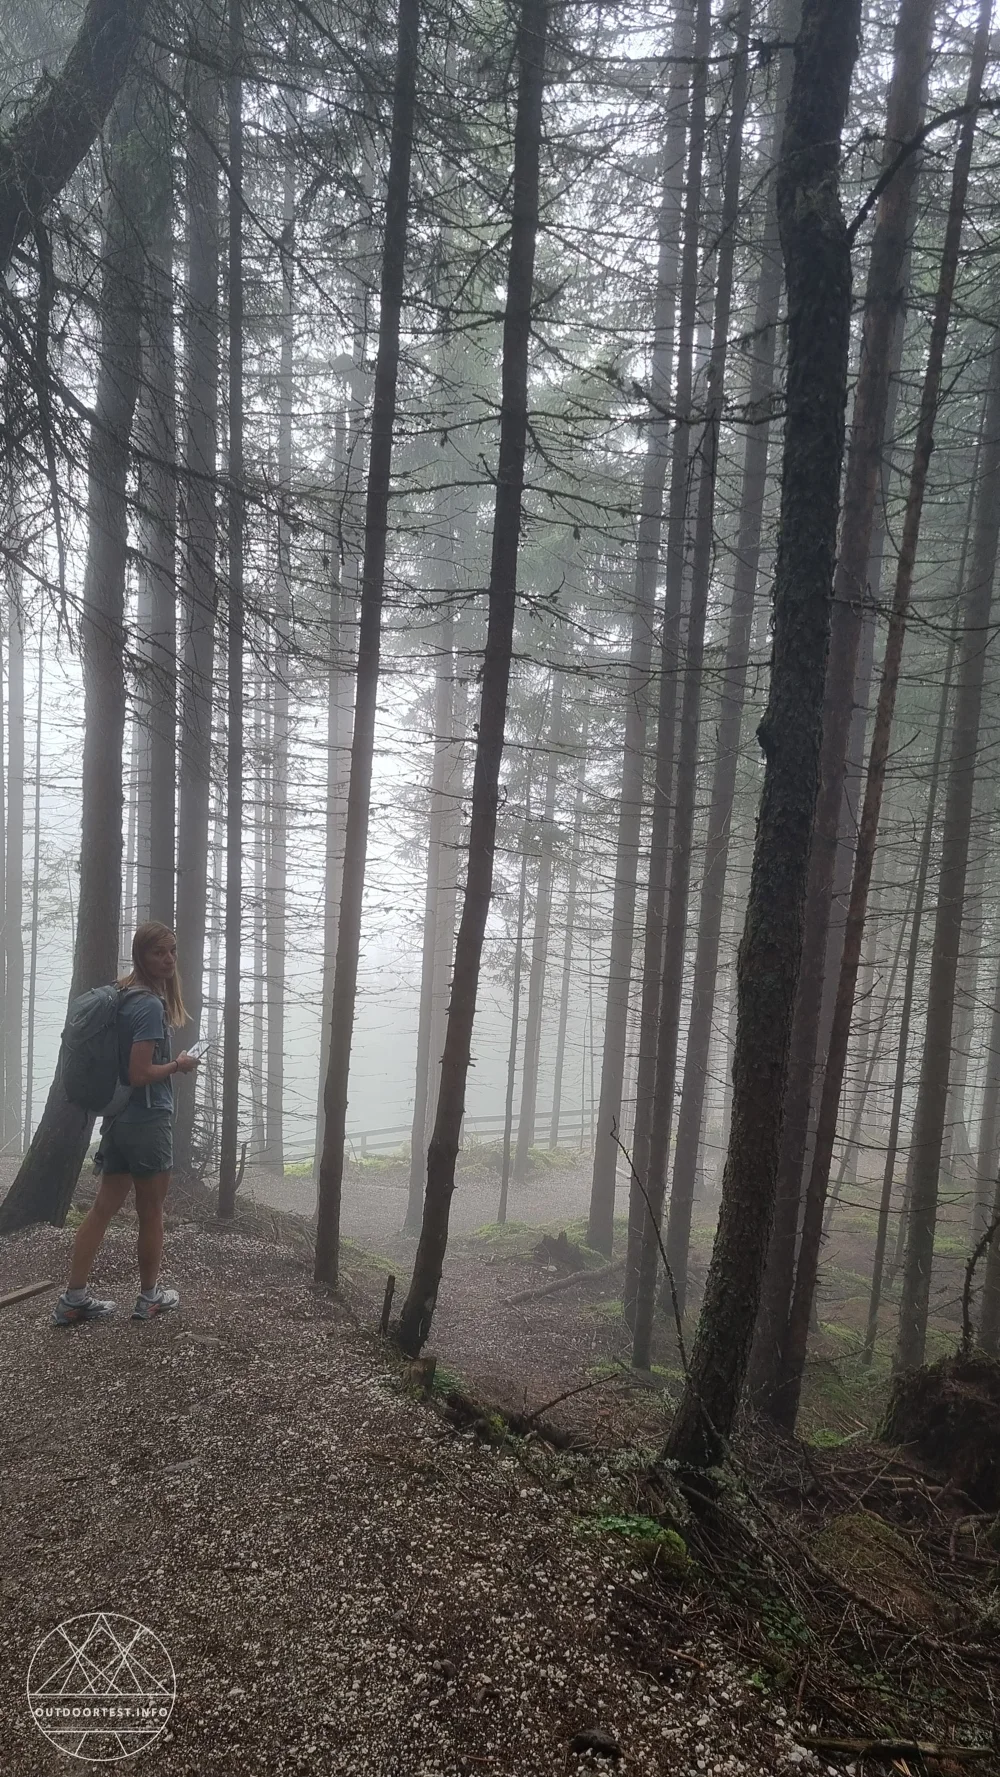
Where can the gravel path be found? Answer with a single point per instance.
(343, 1583)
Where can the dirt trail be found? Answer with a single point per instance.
(313, 1547)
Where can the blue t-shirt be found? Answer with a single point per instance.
(143, 1019)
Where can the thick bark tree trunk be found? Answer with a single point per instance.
(43, 1188)
(418, 1309)
(793, 1358)
(331, 1170)
(883, 297)
(817, 259)
(62, 122)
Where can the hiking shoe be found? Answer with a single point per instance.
(148, 1307)
(70, 1314)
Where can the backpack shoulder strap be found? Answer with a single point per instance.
(145, 993)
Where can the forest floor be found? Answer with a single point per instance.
(351, 1579)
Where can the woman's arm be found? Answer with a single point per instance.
(144, 1071)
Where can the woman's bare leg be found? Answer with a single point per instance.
(111, 1195)
(149, 1197)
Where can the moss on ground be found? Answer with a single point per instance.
(518, 1239)
(662, 1548)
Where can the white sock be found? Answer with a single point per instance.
(75, 1297)
(153, 1294)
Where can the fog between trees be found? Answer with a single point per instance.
(471, 478)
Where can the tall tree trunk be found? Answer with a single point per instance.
(235, 636)
(135, 877)
(331, 1171)
(345, 549)
(13, 999)
(932, 1095)
(688, 201)
(567, 957)
(883, 298)
(258, 816)
(515, 1009)
(337, 743)
(3, 891)
(36, 859)
(852, 1140)
(793, 1358)
(682, 839)
(275, 882)
(198, 595)
(158, 495)
(989, 1323)
(816, 252)
(988, 1156)
(418, 1309)
(539, 947)
(956, 1154)
(734, 673)
(447, 886)
(45, 1182)
(658, 454)
(926, 844)
(444, 697)
(134, 889)
(863, 1075)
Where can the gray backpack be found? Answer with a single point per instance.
(90, 1056)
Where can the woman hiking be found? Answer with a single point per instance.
(136, 1147)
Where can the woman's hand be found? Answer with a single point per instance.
(186, 1063)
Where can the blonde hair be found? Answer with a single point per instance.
(153, 932)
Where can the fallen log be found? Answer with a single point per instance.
(893, 1749)
(26, 1290)
(563, 1283)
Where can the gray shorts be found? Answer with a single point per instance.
(141, 1148)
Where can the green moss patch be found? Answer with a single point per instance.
(657, 1544)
